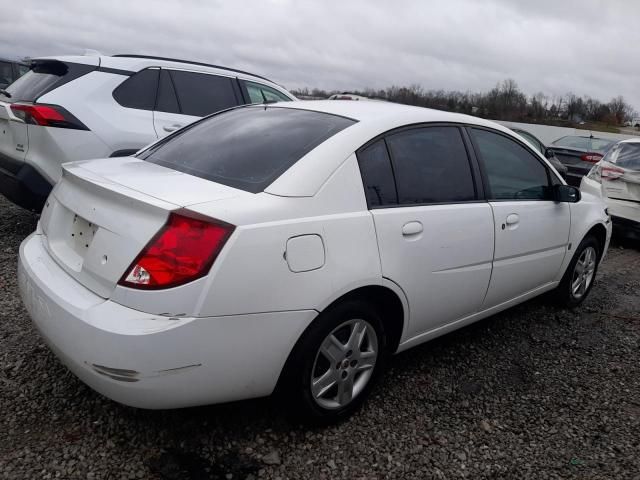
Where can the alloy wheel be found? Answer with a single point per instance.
(344, 364)
(583, 272)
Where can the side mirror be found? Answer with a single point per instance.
(566, 193)
(549, 153)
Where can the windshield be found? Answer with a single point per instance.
(532, 140)
(246, 148)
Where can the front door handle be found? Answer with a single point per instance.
(172, 128)
(411, 228)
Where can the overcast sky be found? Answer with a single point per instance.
(588, 47)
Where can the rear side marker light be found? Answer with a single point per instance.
(591, 157)
(182, 251)
(46, 116)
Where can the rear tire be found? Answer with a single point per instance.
(335, 363)
(580, 275)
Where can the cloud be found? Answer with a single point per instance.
(586, 47)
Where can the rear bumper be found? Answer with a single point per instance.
(626, 226)
(150, 361)
(23, 185)
(624, 211)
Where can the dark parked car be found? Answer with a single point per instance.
(580, 154)
(10, 71)
(542, 148)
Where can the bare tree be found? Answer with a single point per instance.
(503, 102)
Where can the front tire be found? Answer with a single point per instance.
(335, 363)
(581, 273)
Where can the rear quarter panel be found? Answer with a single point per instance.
(252, 274)
(90, 99)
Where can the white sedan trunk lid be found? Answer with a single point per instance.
(102, 213)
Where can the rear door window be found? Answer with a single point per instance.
(44, 76)
(201, 94)
(139, 90)
(246, 148)
(431, 166)
(377, 175)
(167, 100)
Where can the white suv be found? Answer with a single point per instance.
(77, 108)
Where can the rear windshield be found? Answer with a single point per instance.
(246, 148)
(625, 155)
(584, 143)
(43, 77)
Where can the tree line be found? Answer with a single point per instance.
(503, 102)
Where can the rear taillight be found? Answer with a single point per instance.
(591, 157)
(47, 116)
(611, 173)
(182, 251)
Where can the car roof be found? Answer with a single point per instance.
(389, 113)
(20, 62)
(307, 175)
(630, 140)
(587, 136)
(135, 63)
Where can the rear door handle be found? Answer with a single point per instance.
(513, 218)
(411, 228)
(172, 128)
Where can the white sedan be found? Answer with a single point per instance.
(289, 248)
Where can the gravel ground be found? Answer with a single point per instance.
(535, 392)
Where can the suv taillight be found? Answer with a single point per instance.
(591, 157)
(182, 251)
(46, 116)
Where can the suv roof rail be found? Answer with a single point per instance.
(152, 57)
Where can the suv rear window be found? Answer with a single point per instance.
(246, 148)
(43, 77)
(6, 73)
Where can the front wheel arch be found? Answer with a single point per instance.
(599, 232)
(563, 295)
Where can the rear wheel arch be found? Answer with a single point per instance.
(388, 303)
(378, 307)
(383, 299)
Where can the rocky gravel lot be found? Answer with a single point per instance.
(535, 392)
